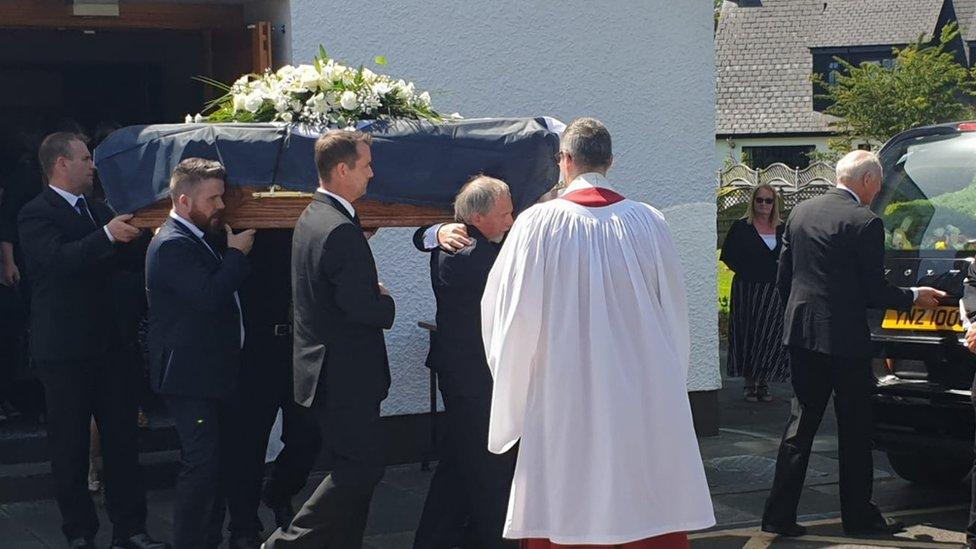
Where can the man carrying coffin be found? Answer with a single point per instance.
(458, 279)
(586, 332)
(196, 332)
(340, 363)
(72, 244)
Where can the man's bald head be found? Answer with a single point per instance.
(860, 171)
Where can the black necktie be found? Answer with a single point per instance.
(82, 207)
(355, 219)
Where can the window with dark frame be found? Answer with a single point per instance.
(826, 65)
(794, 156)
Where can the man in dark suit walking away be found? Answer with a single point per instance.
(340, 363)
(70, 243)
(196, 332)
(831, 270)
(458, 279)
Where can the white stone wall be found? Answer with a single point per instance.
(643, 67)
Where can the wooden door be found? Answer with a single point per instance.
(230, 53)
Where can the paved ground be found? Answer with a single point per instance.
(738, 462)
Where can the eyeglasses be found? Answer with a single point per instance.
(761, 200)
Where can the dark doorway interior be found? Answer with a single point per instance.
(87, 81)
(52, 78)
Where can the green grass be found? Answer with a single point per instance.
(724, 287)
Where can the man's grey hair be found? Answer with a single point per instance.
(588, 142)
(478, 196)
(855, 164)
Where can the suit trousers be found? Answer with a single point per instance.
(289, 472)
(262, 388)
(483, 479)
(971, 527)
(199, 424)
(815, 376)
(76, 391)
(334, 516)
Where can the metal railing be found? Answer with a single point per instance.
(736, 182)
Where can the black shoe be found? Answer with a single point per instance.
(244, 542)
(788, 531)
(283, 513)
(9, 410)
(139, 541)
(81, 543)
(882, 527)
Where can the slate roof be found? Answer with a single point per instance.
(763, 57)
(966, 15)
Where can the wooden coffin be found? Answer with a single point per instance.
(252, 208)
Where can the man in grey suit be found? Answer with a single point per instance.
(340, 363)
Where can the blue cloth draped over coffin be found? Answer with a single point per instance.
(414, 162)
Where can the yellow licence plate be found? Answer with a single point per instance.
(940, 318)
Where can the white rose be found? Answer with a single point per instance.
(348, 101)
(253, 101)
(424, 99)
(382, 88)
(238, 103)
(287, 71)
(199, 118)
(308, 77)
(285, 116)
(188, 119)
(318, 103)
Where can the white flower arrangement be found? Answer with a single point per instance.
(323, 93)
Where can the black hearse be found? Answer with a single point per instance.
(922, 397)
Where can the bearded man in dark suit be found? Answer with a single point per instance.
(196, 332)
(71, 244)
(340, 363)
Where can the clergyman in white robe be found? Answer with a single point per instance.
(585, 327)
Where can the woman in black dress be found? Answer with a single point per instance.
(751, 250)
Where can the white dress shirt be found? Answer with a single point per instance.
(73, 202)
(345, 203)
(199, 234)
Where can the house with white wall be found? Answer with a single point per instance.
(766, 106)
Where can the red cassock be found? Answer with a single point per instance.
(676, 540)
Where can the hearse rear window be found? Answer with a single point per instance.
(928, 201)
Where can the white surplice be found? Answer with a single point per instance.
(585, 325)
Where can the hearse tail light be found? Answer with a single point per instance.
(967, 127)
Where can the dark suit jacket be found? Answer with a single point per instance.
(339, 313)
(831, 271)
(969, 292)
(745, 252)
(194, 323)
(72, 265)
(458, 281)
